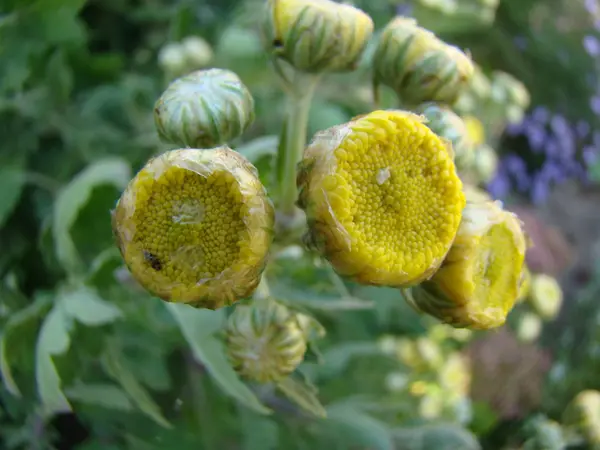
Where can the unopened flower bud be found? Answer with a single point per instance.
(529, 327)
(506, 88)
(485, 163)
(317, 35)
(419, 66)
(204, 109)
(195, 226)
(478, 283)
(198, 52)
(545, 296)
(171, 58)
(583, 415)
(264, 341)
(382, 198)
(448, 125)
(396, 381)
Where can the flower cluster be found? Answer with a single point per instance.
(432, 373)
(566, 150)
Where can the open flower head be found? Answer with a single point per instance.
(419, 66)
(317, 35)
(265, 342)
(478, 282)
(195, 226)
(448, 125)
(583, 415)
(382, 198)
(545, 295)
(204, 109)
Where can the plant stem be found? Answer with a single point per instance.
(290, 152)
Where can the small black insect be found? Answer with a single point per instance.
(152, 260)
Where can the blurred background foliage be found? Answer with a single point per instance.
(89, 361)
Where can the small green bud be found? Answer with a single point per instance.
(448, 125)
(317, 35)
(204, 109)
(529, 327)
(485, 163)
(545, 296)
(419, 66)
(171, 58)
(265, 342)
(583, 415)
(197, 52)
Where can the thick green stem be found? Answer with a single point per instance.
(294, 136)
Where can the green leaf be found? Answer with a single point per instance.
(12, 180)
(198, 326)
(337, 358)
(85, 306)
(112, 171)
(52, 340)
(114, 365)
(363, 430)
(105, 395)
(435, 437)
(259, 147)
(302, 394)
(259, 432)
(33, 312)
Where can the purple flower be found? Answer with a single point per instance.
(559, 125)
(536, 135)
(540, 190)
(582, 128)
(595, 104)
(404, 9)
(597, 24)
(591, 45)
(514, 129)
(590, 155)
(540, 114)
(591, 6)
(514, 165)
(552, 149)
(552, 171)
(500, 186)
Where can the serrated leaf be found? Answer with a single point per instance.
(259, 147)
(85, 306)
(112, 171)
(302, 394)
(53, 340)
(32, 312)
(12, 180)
(198, 327)
(106, 395)
(115, 368)
(360, 427)
(435, 437)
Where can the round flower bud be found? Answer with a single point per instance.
(545, 296)
(506, 88)
(529, 327)
(478, 283)
(448, 125)
(317, 35)
(171, 58)
(382, 198)
(195, 226)
(396, 381)
(265, 342)
(583, 415)
(204, 109)
(419, 66)
(524, 284)
(197, 52)
(485, 163)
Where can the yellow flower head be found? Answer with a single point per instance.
(583, 415)
(475, 130)
(317, 35)
(419, 66)
(478, 282)
(265, 342)
(382, 198)
(545, 296)
(195, 226)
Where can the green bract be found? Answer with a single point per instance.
(204, 109)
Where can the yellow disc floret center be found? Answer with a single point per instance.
(402, 198)
(188, 226)
(492, 282)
